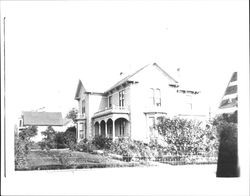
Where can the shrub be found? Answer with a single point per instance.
(28, 133)
(186, 137)
(227, 165)
(70, 137)
(86, 146)
(49, 140)
(102, 142)
(60, 140)
(222, 118)
(132, 150)
(23, 145)
(21, 152)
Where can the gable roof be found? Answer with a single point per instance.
(128, 78)
(95, 87)
(42, 118)
(89, 87)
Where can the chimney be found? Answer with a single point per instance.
(178, 74)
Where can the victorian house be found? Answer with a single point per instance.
(131, 106)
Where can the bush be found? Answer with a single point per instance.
(23, 145)
(227, 165)
(86, 146)
(60, 140)
(102, 142)
(132, 150)
(21, 152)
(70, 137)
(187, 137)
(49, 140)
(230, 118)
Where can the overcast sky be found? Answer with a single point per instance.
(50, 45)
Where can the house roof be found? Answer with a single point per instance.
(101, 87)
(129, 77)
(42, 118)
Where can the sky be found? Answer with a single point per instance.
(50, 45)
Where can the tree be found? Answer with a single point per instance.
(72, 114)
(60, 140)
(227, 164)
(28, 133)
(49, 139)
(70, 137)
(22, 146)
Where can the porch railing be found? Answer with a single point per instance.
(113, 109)
(81, 116)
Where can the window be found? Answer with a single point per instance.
(82, 131)
(151, 96)
(121, 98)
(83, 106)
(110, 101)
(158, 97)
(155, 97)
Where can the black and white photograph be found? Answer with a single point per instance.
(125, 97)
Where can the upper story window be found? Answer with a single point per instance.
(110, 101)
(188, 102)
(83, 106)
(155, 97)
(152, 96)
(158, 97)
(121, 98)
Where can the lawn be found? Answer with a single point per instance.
(67, 159)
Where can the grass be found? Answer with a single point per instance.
(67, 159)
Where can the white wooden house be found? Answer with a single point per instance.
(131, 106)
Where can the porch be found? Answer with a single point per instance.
(111, 126)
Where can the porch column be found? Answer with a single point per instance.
(106, 129)
(99, 129)
(113, 130)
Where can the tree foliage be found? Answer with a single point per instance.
(48, 141)
(28, 133)
(187, 137)
(72, 114)
(70, 137)
(227, 165)
(22, 146)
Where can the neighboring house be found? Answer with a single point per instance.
(131, 106)
(229, 102)
(42, 120)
